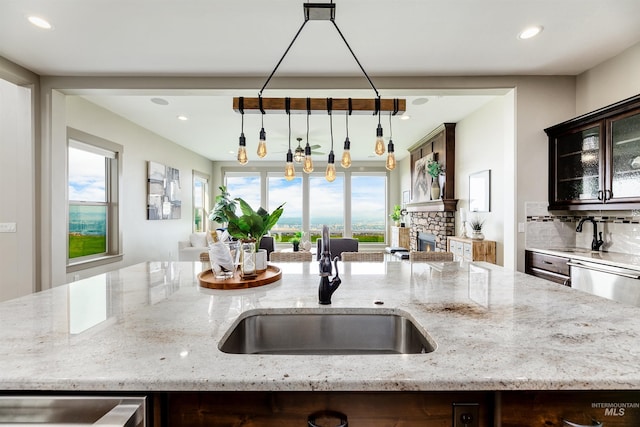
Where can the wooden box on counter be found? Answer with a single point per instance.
(471, 249)
(400, 237)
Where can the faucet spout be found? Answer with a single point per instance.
(596, 243)
(327, 286)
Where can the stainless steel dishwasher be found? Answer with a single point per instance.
(78, 411)
(615, 283)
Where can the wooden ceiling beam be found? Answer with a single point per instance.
(319, 105)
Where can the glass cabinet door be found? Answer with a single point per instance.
(625, 157)
(578, 165)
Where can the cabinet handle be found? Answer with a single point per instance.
(547, 262)
(311, 421)
(600, 194)
(594, 423)
(608, 194)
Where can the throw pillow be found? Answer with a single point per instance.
(198, 240)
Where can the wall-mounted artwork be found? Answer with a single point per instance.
(421, 180)
(480, 191)
(164, 192)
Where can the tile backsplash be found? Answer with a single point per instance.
(544, 229)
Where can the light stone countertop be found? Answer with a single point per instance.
(152, 327)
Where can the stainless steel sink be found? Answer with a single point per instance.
(326, 333)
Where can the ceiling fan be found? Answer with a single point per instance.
(298, 152)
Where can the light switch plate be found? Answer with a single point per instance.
(521, 227)
(7, 227)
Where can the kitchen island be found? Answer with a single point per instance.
(152, 328)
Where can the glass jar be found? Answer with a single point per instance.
(248, 258)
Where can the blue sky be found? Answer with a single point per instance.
(86, 176)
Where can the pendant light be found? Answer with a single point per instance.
(330, 173)
(379, 149)
(391, 157)
(346, 154)
(262, 143)
(307, 166)
(242, 146)
(289, 170)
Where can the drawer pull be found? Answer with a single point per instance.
(547, 262)
(311, 421)
(594, 423)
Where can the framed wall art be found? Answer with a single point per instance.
(164, 199)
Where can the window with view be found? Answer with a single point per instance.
(354, 205)
(327, 205)
(368, 213)
(280, 191)
(246, 186)
(92, 197)
(200, 201)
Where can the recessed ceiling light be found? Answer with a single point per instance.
(160, 101)
(404, 117)
(420, 101)
(40, 22)
(530, 32)
(183, 118)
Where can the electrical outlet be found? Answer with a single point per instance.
(7, 227)
(521, 227)
(466, 415)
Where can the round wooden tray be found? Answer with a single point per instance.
(270, 275)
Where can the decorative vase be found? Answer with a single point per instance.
(441, 182)
(435, 189)
(477, 235)
(397, 223)
(296, 246)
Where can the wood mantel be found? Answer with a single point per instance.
(447, 205)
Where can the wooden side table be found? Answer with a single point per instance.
(400, 237)
(472, 250)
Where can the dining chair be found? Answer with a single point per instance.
(430, 256)
(362, 256)
(337, 246)
(291, 256)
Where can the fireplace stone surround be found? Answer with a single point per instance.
(440, 223)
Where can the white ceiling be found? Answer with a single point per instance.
(248, 37)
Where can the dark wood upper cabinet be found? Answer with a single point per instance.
(594, 159)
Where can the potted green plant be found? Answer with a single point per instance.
(396, 215)
(251, 225)
(435, 169)
(295, 240)
(223, 206)
(476, 223)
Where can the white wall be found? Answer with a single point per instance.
(17, 190)
(611, 81)
(143, 240)
(481, 144)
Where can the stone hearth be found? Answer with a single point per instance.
(441, 224)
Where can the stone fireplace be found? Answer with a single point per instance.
(440, 224)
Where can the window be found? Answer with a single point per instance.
(326, 206)
(200, 201)
(354, 205)
(279, 191)
(246, 186)
(368, 213)
(92, 219)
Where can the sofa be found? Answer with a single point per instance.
(190, 250)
